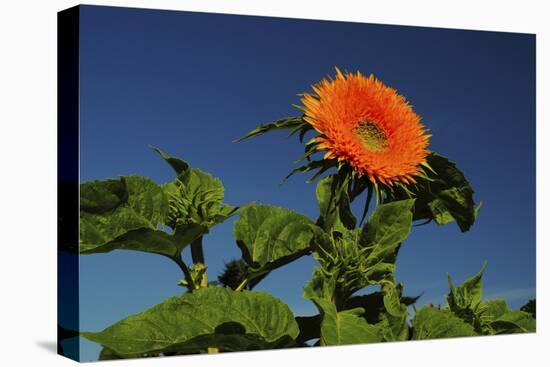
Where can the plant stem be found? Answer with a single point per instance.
(196, 251)
(242, 285)
(186, 273)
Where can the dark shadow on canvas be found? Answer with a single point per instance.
(48, 345)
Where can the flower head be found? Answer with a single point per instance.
(369, 125)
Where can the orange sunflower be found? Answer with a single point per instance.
(368, 125)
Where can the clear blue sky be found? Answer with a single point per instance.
(191, 83)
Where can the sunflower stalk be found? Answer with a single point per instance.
(199, 265)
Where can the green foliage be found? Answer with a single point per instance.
(382, 236)
(114, 214)
(206, 318)
(270, 237)
(443, 194)
(355, 259)
(196, 198)
(434, 323)
(106, 355)
(513, 322)
(468, 315)
(465, 299)
(394, 321)
(134, 213)
(177, 164)
(486, 318)
(345, 327)
(334, 204)
(351, 260)
(290, 123)
(373, 304)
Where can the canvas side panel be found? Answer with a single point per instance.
(68, 182)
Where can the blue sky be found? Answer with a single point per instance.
(191, 83)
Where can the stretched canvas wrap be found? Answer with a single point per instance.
(235, 183)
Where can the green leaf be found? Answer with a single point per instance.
(179, 165)
(114, 211)
(465, 300)
(106, 355)
(321, 166)
(433, 323)
(334, 204)
(351, 260)
(372, 303)
(491, 310)
(390, 224)
(270, 236)
(488, 318)
(102, 196)
(345, 327)
(283, 124)
(206, 318)
(468, 295)
(392, 300)
(394, 321)
(394, 328)
(320, 286)
(229, 337)
(148, 240)
(443, 194)
(386, 310)
(514, 322)
(387, 227)
(196, 197)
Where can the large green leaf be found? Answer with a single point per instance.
(489, 311)
(433, 323)
(443, 194)
(334, 203)
(345, 327)
(148, 240)
(114, 212)
(102, 196)
(270, 236)
(206, 318)
(513, 322)
(387, 227)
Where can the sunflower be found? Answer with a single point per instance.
(369, 125)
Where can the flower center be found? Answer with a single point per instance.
(372, 136)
